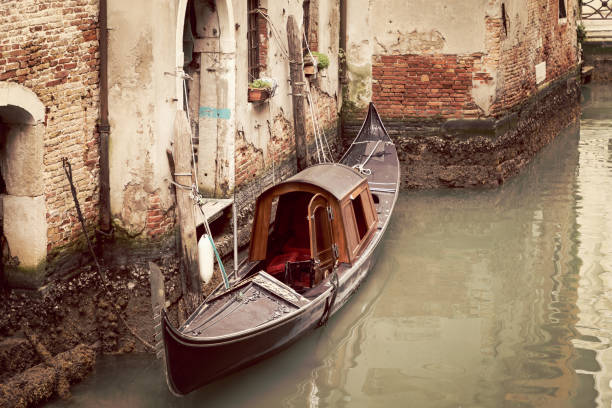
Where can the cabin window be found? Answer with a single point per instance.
(323, 237)
(360, 216)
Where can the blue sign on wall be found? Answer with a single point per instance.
(208, 112)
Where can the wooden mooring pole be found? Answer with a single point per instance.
(297, 91)
(192, 286)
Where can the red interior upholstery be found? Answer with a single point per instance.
(277, 264)
(293, 246)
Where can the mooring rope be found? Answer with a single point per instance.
(101, 275)
(329, 302)
(314, 112)
(359, 166)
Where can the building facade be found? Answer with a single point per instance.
(195, 56)
(469, 91)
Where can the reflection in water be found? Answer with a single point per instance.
(495, 298)
(594, 193)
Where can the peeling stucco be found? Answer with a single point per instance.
(398, 42)
(134, 210)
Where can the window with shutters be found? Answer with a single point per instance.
(253, 39)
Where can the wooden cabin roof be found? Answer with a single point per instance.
(337, 179)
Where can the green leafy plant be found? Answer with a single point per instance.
(322, 60)
(581, 33)
(260, 84)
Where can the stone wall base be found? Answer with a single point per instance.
(599, 56)
(480, 152)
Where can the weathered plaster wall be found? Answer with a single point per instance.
(145, 92)
(438, 47)
(422, 26)
(142, 100)
(359, 50)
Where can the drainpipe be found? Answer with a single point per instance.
(103, 126)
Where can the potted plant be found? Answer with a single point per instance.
(260, 90)
(321, 61)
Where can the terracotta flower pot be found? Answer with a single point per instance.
(258, 94)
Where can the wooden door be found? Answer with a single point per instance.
(322, 245)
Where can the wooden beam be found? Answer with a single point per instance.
(294, 40)
(182, 176)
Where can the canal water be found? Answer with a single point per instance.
(481, 298)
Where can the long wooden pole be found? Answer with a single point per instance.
(297, 90)
(182, 176)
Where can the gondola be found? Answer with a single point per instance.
(314, 238)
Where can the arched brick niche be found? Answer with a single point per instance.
(22, 210)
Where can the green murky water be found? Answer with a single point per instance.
(497, 298)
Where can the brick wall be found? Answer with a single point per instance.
(424, 85)
(51, 48)
(546, 38)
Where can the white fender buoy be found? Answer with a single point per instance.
(206, 258)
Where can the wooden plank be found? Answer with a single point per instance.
(189, 245)
(213, 208)
(294, 40)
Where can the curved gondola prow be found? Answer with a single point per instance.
(370, 130)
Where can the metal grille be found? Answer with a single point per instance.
(253, 40)
(306, 7)
(596, 10)
(562, 11)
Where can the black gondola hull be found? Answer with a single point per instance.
(192, 363)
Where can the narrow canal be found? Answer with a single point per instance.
(481, 298)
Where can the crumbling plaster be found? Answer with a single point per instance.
(141, 106)
(328, 33)
(359, 51)
(445, 27)
(252, 118)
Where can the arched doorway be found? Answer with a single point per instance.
(205, 42)
(22, 210)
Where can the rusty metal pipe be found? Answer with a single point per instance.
(103, 125)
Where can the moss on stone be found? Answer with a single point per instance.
(31, 277)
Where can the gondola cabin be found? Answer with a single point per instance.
(306, 224)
